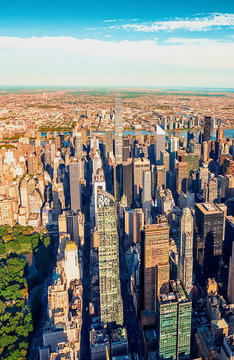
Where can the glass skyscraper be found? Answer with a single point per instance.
(108, 251)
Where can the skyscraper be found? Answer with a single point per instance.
(159, 143)
(207, 128)
(186, 249)
(108, 252)
(210, 223)
(181, 177)
(78, 145)
(174, 323)
(139, 166)
(155, 256)
(231, 277)
(118, 130)
(147, 190)
(109, 143)
(173, 148)
(71, 263)
(75, 184)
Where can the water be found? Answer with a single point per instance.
(228, 133)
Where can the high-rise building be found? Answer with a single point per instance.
(147, 190)
(159, 144)
(75, 184)
(210, 224)
(181, 177)
(99, 183)
(110, 295)
(118, 130)
(71, 263)
(219, 134)
(126, 148)
(174, 323)
(24, 196)
(164, 156)
(173, 148)
(138, 224)
(6, 211)
(185, 272)
(109, 143)
(231, 277)
(207, 128)
(160, 176)
(155, 256)
(139, 166)
(123, 181)
(78, 145)
(205, 151)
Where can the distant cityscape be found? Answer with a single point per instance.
(116, 224)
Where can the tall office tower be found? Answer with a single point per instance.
(230, 293)
(190, 136)
(207, 128)
(212, 190)
(109, 143)
(71, 263)
(118, 130)
(127, 180)
(32, 164)
(202, 177)
(173, 148)
(181, 177)
(155, 256)
(147, 190)
(62, 223)
(123, 181)
(174, 323)
(126, 148)
(160, 176)
(159, 143)
(164, 156)
(57, 142)
(75, 184)
(139, 166)
(205, 151)
(52, 152)
(97, 163)
(210, 224)
(72, 225)
(99, 183)
(219, 134)
(47, 156)
(78, 145)
(118, 181)
(185, 272)
(138, 224)
(110, 294)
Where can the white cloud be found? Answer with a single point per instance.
(192, 24)
(72, 61)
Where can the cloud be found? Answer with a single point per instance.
(193, 24)
(90, 62)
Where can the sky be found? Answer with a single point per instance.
(117, 44)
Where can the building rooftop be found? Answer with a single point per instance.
(208, 208)
(71, 245)
(177, 293)
(100, 337)
(219, 324)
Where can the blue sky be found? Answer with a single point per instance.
(121, 43)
